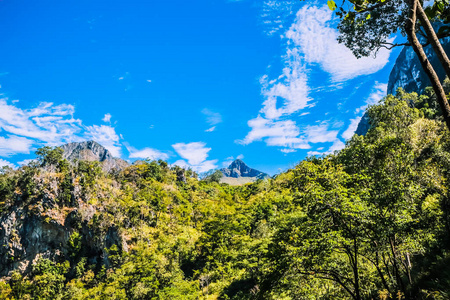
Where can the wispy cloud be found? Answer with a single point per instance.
(24, 130)
(196, 154)
(48, 123)
(107, 118)
(310, 41)
(5, 163)
(211, 129)
(348, 133)
(274, 133)
(13, 144)
(147, 152)
(212, 117)
(105, 136)
(230, 159)
(316, 40)
(25, 162)
(379, 91)
(275, 13)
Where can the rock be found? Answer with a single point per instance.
(92, 151)
(239, 173)
(363, 125)
(408, 74)
(239, 169)
(28, 235)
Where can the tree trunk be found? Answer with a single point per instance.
(355, 270)
(426, 65)
(433, 39)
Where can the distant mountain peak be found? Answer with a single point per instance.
(237, 163)
(92, 151)
(239, 169)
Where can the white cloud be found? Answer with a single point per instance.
(316, 40)
(320, 134)
(211, 129)
(149, 153)
(196, 154)
(105, 136)
(200, 168)
(275, 13)
(212, 117)
(291, 88)
(51, 124)
(107, 118)
(310, 41)
(25, 162)
(287, 150)
(347, 134)
(379, 91)
(12, 144)
(275, 133)
(230, 159)
(337, 145)
(4, 163)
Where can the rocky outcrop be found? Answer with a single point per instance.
(27, 236)
(41, 226)
(408, 74)
(239, 169)
(92, 151)
(239, 173)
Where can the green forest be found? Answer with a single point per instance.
(371, 221)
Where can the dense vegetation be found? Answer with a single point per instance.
(369, 222)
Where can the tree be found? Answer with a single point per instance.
(49, 156)
(367, 25)
(214, 177)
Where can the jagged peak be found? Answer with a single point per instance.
(238, 169)
(92, 151)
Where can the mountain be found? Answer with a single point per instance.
(408, 74)
(239, 173)
(92, 151)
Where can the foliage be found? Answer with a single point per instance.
(369, 222)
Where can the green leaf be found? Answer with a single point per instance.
(331, 5)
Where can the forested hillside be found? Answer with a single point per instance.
(369, 222)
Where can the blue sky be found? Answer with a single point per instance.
(196, 83)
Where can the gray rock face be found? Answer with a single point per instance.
(239, 169)
(408, 74)
(92, 151)
(28, 235)
(363, 125)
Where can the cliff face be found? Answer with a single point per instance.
(38, 227)
(408, 74)
(47, 214)
(92, 151)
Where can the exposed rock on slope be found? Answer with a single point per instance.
(408, 74)
(239, 173)
(38, 227)
(92, 151)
